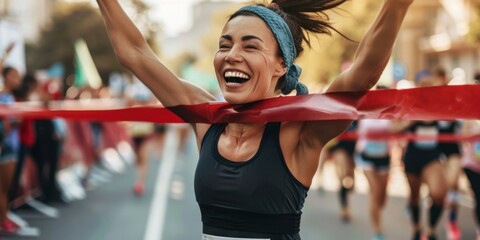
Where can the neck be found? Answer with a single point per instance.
(241, 131)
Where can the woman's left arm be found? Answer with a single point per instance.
(374, 50)
(369, 62)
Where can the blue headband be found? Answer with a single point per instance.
(284, 38)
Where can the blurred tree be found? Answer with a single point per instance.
(474, 34)
(324, 60)
(72, 21)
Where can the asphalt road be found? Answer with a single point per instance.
(111, 211)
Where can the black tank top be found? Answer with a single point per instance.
(425, 130)
(257, 196)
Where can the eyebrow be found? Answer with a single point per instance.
(244, 38)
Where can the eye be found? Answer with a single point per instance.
(251, 47)
(224, 46)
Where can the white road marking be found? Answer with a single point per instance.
(158, 207)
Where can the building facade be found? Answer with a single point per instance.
(435, 34)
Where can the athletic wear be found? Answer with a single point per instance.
(449, 148)
(347, 145)
(258, 198)
(421, 152)
(373, 151)
(11, 140)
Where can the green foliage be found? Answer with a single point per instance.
(80, 20)
(474, 34)
(69, 23)
(323, 61)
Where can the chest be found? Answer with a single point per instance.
(237, 151)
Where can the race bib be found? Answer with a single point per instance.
(425, 132)
(376, 149)
(476, 151)
(444, 124)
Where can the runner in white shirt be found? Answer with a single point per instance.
(372, 155)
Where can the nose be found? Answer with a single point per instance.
(234, 55)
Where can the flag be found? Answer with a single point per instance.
(85, 70)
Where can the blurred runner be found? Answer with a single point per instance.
(471, 166)
(372, 155)
(452, 162)
(145, 135)
(342, 155)
(10, 143)
(422, 165)
(451, 159)
(471, 162)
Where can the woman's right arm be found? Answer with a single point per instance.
(134, 53)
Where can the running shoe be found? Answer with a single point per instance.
(139, 189)
(453, 231)
(8, 226)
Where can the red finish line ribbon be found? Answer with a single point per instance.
(432, 103)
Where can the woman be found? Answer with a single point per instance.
(422, 165)
(137, 94)
(373, 156)
(471, 166)
(452, 163)
(252, 179)
(453, 168)
(26, 131)
(9, 148)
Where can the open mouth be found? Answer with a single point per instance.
(234, 77)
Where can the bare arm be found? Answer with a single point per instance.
(369, 62)
(374, 50)
(135, 54)
(5, 55)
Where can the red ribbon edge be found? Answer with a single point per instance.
(430, 103)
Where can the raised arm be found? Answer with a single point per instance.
(374, 50)
(5, 55)
(134, 53)
(370, 60)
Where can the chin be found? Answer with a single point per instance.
(234, 100)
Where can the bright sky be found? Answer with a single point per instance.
(175, 15)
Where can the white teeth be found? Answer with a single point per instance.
(236, 74)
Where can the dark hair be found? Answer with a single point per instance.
(477, 76)
(382, 87)
(440, 72)
(29, 82)
(303, 17)
(7, 70)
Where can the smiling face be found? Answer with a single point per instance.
(247, 63)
